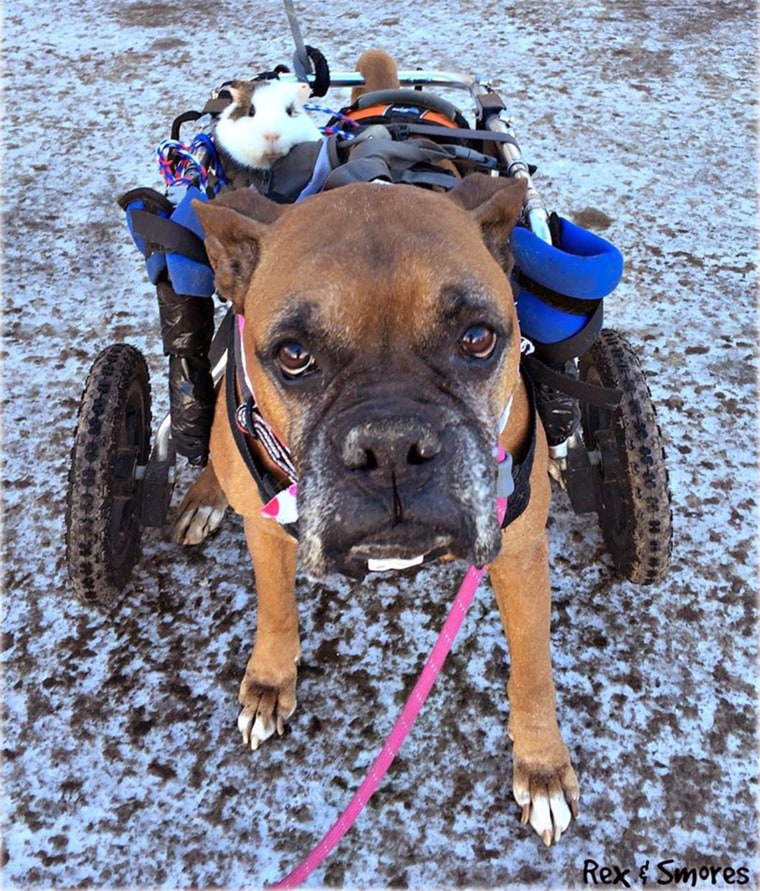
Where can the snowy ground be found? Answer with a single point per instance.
(122, 764)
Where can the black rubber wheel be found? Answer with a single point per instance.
(111, 447)
(634, 506)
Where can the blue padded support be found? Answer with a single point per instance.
(155, 262)
(187, 276)
(583, 265)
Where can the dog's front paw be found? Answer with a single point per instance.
(548, 795)
(202, 510)
(268, 700)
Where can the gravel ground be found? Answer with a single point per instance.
(122, 764)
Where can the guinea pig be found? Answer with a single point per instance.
(264, 121)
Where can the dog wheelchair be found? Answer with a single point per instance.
(593, 397)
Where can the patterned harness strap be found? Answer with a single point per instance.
(279, 501)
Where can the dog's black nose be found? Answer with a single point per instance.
(393, 447)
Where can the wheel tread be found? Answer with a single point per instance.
(95, 575)
(644, 556)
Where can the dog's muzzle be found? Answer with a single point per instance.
(394, 485)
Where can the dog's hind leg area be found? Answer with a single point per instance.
(268, 689)
(202, 509)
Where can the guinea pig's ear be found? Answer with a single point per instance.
(240, 92)
(495, 203)
(233, 244)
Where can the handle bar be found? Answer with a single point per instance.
(406, 79)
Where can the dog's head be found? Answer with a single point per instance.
(382, 343)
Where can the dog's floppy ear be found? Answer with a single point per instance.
(235, 225)
(251, 204)
(495, 204)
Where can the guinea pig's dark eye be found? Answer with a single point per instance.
(252, 111)
(291, 110)
(478, 342)
(295, 360)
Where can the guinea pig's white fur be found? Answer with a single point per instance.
(264, 121)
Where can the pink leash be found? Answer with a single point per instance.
(402, 727)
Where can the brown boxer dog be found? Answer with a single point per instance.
(382, 345)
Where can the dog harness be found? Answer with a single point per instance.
(247, 423)
(280, 497)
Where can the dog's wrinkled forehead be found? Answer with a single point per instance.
(378, 258)
(369, 258)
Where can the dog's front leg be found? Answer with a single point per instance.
(268, 690)
(544, 782)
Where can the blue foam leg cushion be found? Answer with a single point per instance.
(187, 276)
(583, 266)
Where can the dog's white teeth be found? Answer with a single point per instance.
(393, 564)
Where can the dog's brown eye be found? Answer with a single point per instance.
(294, 360)
(478, 342)
(252, 111)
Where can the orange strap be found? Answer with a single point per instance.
(432, 117)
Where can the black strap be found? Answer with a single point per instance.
(591, 394)
(400, 131)
(462, 154)
(558, 352)
(267, 485)
(573, 306)
(168, 236)
(521, 471)
(152, 200)
(421, 176)
(404, 131)
(184, 118)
